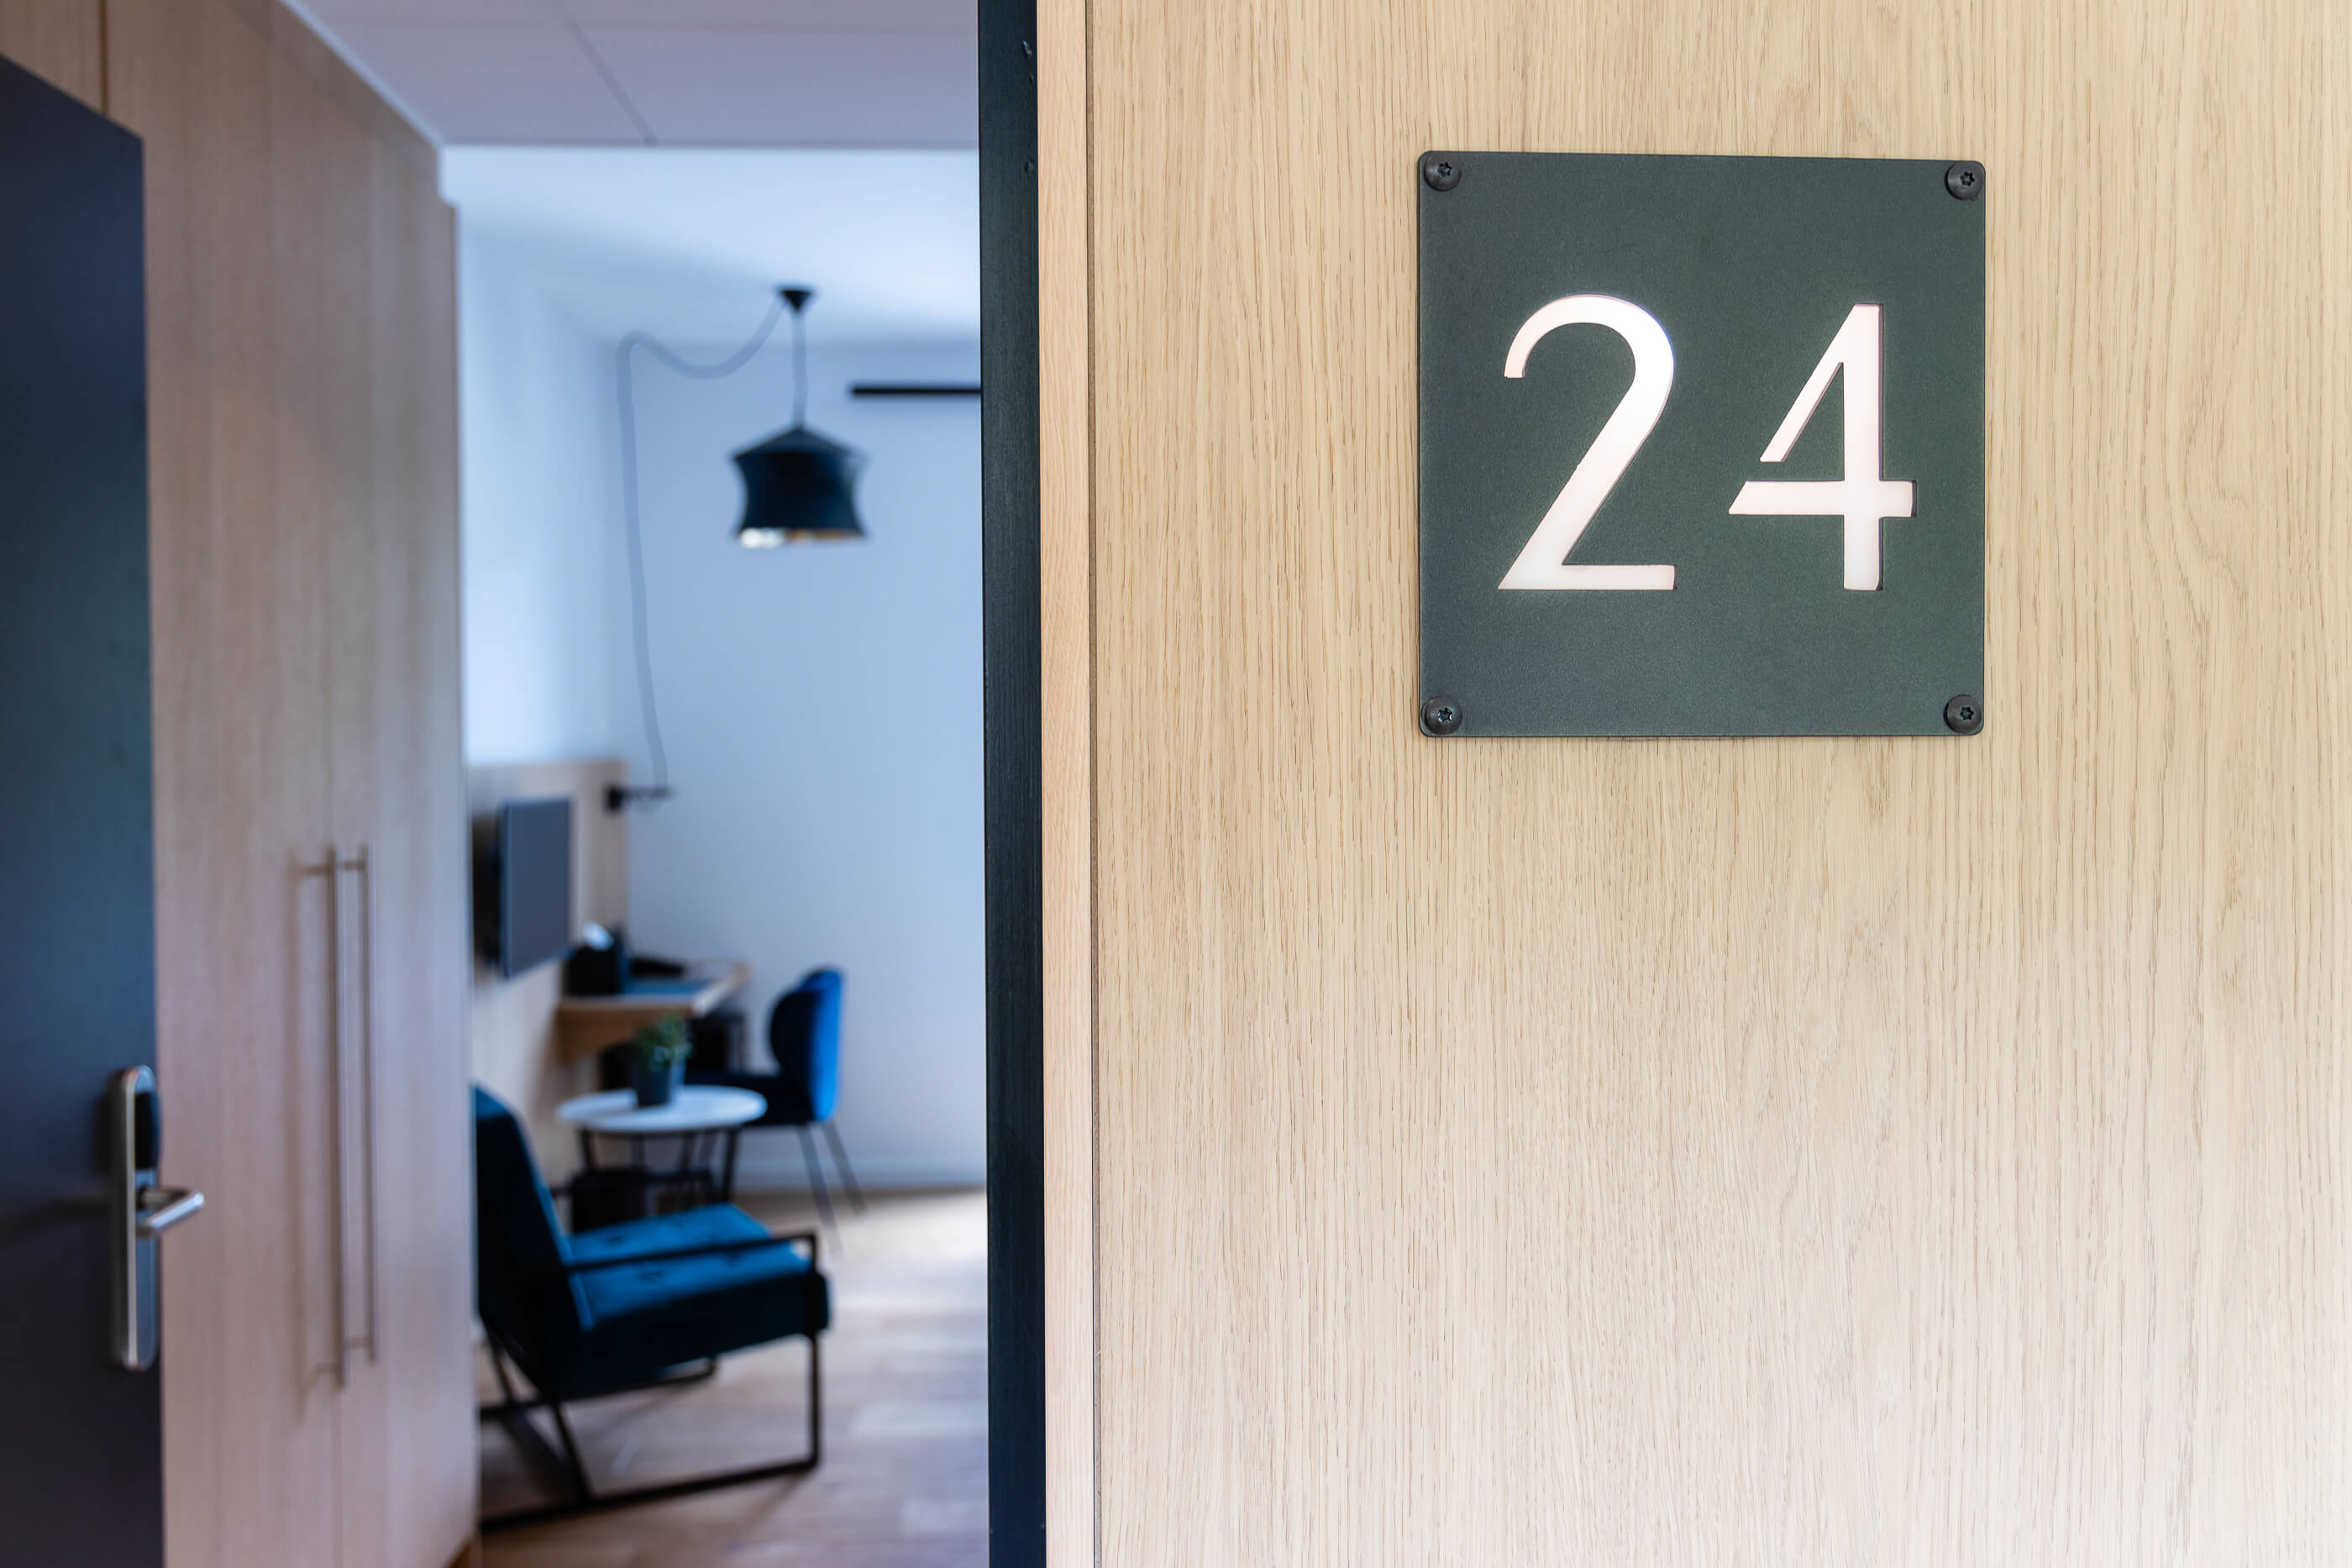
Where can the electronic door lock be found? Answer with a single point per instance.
(139, 1211)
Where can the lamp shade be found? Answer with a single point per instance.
(796, 486)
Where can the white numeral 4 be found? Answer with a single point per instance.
(1543, 560)
(1861, 498)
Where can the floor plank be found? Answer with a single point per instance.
(905, 1479)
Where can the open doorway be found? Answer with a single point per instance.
(768, 752)
(769, 762)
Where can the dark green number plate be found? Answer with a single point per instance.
(1702, 445)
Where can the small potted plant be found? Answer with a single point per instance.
(657, 1060)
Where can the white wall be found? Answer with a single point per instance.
(821, 709)
(540, 521)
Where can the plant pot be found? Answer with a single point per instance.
(655, 1085)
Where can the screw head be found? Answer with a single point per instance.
(1965, 179)
(1964, 715)
(1440, 171)
(1441, 715)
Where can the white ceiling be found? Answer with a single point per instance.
(731, 73)
(690, 245)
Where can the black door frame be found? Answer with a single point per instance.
(1011, 671)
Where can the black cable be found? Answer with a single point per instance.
(800, 370)
(633, 527)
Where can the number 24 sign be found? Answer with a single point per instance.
(1719, 559)
(1861, 498)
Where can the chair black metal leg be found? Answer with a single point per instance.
(586, 1499)
(702, 1372)
(841, 1163)
(537, 1451)
(514, 1414)
(816, 1406)
(816, 1178)
(573, 1463)
(506, 1385)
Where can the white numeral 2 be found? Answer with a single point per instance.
(1861, 498)
(1543, 562)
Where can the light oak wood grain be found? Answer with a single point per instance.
(409, 1474)
(303, 332)
(63, 42)
(239, 579)
(1764, 1153)
(1066, 638)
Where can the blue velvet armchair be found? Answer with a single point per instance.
(648, 1303)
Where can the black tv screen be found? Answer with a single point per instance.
(534, 883)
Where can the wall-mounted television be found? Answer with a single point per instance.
(522, 885)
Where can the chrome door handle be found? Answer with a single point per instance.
(141, 1211)
(161, 1207)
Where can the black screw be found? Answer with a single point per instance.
(1441, 715)
(1964, 715)
(1440, 173)
(1965, 179)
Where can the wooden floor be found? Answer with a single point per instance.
(905, 1479)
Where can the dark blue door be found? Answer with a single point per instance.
(80, 1432)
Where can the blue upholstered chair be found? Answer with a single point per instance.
(629, 1306)
(804, 1035)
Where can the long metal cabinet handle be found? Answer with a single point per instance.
(332, 869)
(365, 867)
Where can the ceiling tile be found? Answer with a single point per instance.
(689, 243)
(464, 12)
(747, 88)
(507, 83)
(819, 15)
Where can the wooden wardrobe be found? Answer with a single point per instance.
(312, 1058)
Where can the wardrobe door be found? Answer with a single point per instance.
(243, 955)
(409, 1428)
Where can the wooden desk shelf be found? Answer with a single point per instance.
(587, 1025)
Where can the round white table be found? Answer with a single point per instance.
(695, 1114)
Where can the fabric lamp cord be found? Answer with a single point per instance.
(631, 526)
(800, 358)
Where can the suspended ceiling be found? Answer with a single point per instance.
(686, 73)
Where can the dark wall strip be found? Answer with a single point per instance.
(1009, 569)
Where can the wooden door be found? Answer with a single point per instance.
(244, 955)
(1779, 1151)
(60, 41)
(325, 164)
(410, 1468)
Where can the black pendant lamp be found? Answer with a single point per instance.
(796, 483)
